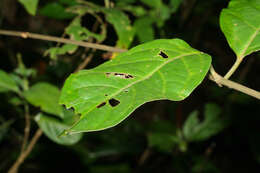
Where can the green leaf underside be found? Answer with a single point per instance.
(52, 128)
(240, 24)
(151, 76)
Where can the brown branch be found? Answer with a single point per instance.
(26, 35)
(27, 127)
(233, 85)
(25, 153)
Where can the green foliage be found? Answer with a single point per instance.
(55, 10)
(194, 130)
(53, 127)
(30, 5)
(156, 139)
(122, 26)
(241, 25)
(7, 83)
(45, 96)
(163, 141)
(106, 95)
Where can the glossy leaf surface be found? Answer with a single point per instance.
(107, 94)
(240, 23)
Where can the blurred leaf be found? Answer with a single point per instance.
(22, 70)
(163, 141)
(16, 101)
(106, 95)
(121, 23)
(144, 29)
(52, 128)
(79, 33)
(240, 24)
(68, 2)
(55, 10)
(76, 32)
(203, 165)
(54, 52)
(7, 83)
(45, 96)
(4, 127)
(117, 168)
(30, 6)
(194, 130)
(152, 3)
(175, 4)
(135, 10)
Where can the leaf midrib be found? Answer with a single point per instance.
(137, 81)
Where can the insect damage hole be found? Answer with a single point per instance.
(113, 102)
(163, 55)
(101, 104)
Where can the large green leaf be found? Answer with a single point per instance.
(106, 95)
(240, 23)
(53, 127)
(7, 83)
(45, 96)
(194, 130)
(30, 5)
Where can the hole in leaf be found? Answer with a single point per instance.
(120, 75)
(163, 55)
(106, 95)
(101, 104)
(113, 102)
(108, 74)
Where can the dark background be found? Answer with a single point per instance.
(125, 148)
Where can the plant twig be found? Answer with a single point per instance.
(27, 127)
(233, 85)
(26, 152)
(26, 35)
(233, 68)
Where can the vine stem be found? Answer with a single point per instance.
(26, 35)
(26, 152)
(233, 68)
(233, 85)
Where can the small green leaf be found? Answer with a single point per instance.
(241, 25)
(30, 5)
(7, 83)
(144, 29)
(163, 141)
(45, 96)
(194, 130)
(107, 94)
(122, 26)
(52, 128)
